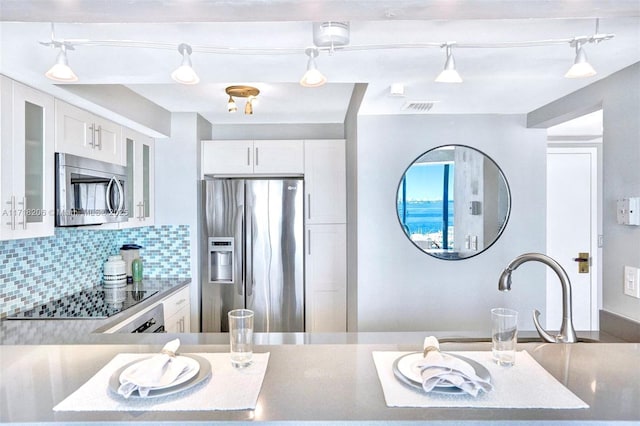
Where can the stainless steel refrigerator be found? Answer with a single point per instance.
(253, 252)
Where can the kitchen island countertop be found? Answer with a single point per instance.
(324, 377)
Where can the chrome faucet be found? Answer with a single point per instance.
(567, 333)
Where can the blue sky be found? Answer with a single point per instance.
(424, 182)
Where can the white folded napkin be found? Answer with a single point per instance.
(438, 369)
(159, 370)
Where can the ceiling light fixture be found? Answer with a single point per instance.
(184, 73)
(581, 67)
(241, 92)
(61, 71)
(313, 77)
(449, 74)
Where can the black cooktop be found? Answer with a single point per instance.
(93, 303)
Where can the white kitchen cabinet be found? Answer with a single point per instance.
(326, 278)
(177, 312)
(81, 133)
(248, 157)
(141, 175)
(325, 181)
(26, 161)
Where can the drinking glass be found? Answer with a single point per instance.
(504, 335)
(241, 337)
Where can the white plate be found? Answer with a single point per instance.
(189, 372)
(204, 372)
(404, 370)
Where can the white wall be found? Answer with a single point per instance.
(619, 96)
(177, 169)
(402, 289)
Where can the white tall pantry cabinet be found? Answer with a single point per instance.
(322, 162)
(326, 236)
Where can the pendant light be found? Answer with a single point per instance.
(313, 77)
(61, 71)
(184, 73)
(449, 74)
(581, 67)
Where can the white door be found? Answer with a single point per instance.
(572, 217)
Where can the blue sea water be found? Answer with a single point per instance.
(424, 217)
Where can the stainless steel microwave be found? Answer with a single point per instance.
(89, 192)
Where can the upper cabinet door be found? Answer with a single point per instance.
(27, 190)
(81, 133)
(108, 141)
(243, 157)
(278, 157)
(140, 174)
(227, 157)
(325, 181)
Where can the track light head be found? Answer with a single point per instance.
(185, 74)
(248, 108)
(61, 71)
(581, 66)
(312, 77)
(449, 74)
(231, 105)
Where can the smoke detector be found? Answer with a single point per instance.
(331, 34)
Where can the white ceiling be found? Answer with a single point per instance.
(496, 80)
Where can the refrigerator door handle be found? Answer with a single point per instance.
(249, 280)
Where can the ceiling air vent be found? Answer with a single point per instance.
(418, 106)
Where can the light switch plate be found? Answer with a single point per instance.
(632, 281)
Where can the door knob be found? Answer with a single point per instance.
(583, 263)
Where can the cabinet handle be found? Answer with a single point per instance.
(99, 145)
(309, 206)
(180, 302)
(309, 242)
(248, 156)
(141, 210)
(24, 213)
(92, 142)
(12, 203)
(257, 158)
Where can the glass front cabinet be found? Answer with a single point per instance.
(140, 174)
(26, 161)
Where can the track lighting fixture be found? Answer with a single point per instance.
(61, 71)
(313, 77)
(241, 92)
(449, 74)
(330, 37)
(184, 73)
(581, 67)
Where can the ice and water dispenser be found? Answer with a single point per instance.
(221, 260)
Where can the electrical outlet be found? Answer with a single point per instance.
(632, 281)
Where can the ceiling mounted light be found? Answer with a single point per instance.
(313, 77)
(241, 92)
(184, 73)
(449, 74)
(581, 67)
(61, 71)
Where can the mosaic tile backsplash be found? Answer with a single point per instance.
(38, 270)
